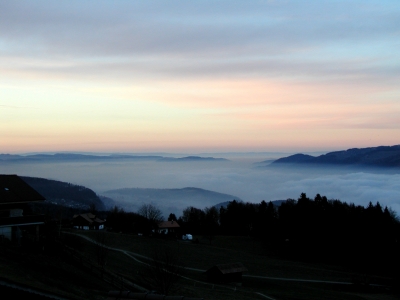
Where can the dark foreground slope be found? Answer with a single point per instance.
(382, 156)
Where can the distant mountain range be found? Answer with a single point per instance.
(382, 156)
(70, 157)
(130, 199)
(168, 200)
(192, 158)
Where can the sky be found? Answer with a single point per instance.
(198, 76)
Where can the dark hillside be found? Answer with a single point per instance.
(168, 200)
(382, 156)
(66, 194)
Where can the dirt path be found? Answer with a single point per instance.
(134, 256)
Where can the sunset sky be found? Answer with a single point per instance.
(198, 76)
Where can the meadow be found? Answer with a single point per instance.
(267, 277)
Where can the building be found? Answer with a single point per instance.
(168, 227)
(226, 273)
(88, 221)
(15, 214)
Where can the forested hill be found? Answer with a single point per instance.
(66, 194)
(168, 200)
(382, 156)
(309, 229)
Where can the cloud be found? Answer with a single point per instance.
(329, 68)
(183, 39)
(113, 27)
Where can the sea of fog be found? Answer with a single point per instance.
(241, 176)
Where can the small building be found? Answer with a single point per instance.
(168, 227)
(88, 221)
(226, 273)
(15, 214)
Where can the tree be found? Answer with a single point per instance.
(151, 212)
(211, 222)
(120, 221)
(172, 217)
(234, 218)
(193, 219)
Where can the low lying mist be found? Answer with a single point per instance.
(240, 177)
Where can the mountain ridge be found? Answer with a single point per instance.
(381, 156)
(172, 200)
(64, 193)
(68, 157)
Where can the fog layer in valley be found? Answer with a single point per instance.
(241, 177)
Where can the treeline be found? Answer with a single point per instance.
(310, 229)
(128, 222)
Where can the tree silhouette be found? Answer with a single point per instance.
(172, 217)
(151, 212)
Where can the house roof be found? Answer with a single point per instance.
(168, 224)
(14, 190)
(230, 268)
(119, 295)
(89, 217)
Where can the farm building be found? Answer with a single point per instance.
(225, 273)
(88, 221)
(168, 227)
(15, 214)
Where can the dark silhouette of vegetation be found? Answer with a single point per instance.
(192, 220)
(172, 217)
(332, 231)
(64, 193)
(211, 223)
(151, 213)
(127, 222)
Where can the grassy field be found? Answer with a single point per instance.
(237, 249)
(56, 274)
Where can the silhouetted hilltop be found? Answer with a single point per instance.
(69, 157)
(168, 200)
(382, 156)
(192, 158)
(66, 194)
